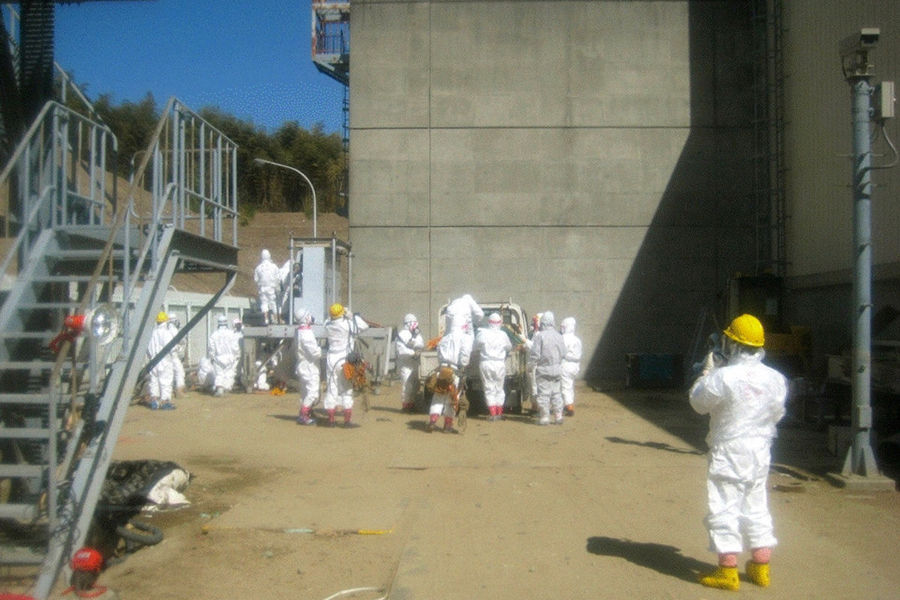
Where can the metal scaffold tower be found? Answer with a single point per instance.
(768, 127)
(331, 55)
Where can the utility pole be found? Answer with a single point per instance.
(859, 464)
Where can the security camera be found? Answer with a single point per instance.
(862, 41)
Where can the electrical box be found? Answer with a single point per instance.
(883, 101)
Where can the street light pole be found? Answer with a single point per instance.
(262, 161)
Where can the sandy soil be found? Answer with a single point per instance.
(608, 505)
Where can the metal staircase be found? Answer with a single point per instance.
(76, 244)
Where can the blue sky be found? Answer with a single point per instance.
(251, 59)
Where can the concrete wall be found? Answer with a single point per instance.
(818, 146)
(587, 157)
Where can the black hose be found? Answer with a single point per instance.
(139, 533)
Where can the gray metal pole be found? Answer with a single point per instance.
(860, 459)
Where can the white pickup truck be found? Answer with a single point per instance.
(517, 386)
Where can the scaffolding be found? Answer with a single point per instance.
(331, 56)
(768, 128)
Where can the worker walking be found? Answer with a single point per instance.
(546, 354)
(162, 375)
(308, 357)
(571, 364)
(224, 351)
(744, 399)
(407, 346)
(453, 352)
(267, 276)
(493, 345)
(341, 331)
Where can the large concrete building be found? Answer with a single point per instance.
(615, 161)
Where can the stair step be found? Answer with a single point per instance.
(61, 278)
(81, 254)
(21, 555)
(21, 471)
(28, 335)
(24, 433)
(21, 512)
(68, 304)
(26, 365)
(40, 399)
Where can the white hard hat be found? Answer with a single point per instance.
(547, 319)
(265, 254)
(409, 318)
(301, 315)
(495, 319)
(222, 320)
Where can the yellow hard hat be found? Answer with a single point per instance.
(162, 317)
(746, 330)
(336, 310)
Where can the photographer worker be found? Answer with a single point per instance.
(744, 400)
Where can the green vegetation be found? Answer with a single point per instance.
(318, 155)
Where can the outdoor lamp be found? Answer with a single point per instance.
(100, 322)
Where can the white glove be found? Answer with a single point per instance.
(709, 363)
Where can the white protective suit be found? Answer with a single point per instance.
(308, 357)
(547, 351)
(224, 351)
(408, 343)
(341, 339)
(454, 350)
(177, 357)
(206, 376)
(493, 345)
(571, 363)
(463, 311)
(744, 400)
(267, 276)
(162, 375)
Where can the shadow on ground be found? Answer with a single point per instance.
(800, 446)
(667, 560)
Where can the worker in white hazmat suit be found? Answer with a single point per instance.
(461, 312)
(267, 276)
(744, 399)
(453, 353)
(493, 345)
(162, 375)
(547, 351)
(341, 331)
(308, 358)
(571, 364)
(407, 346)
(205, 375)
(224, 351)
(177, 358)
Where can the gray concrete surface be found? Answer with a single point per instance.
(589, 158)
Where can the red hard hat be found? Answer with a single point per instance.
(87, 559)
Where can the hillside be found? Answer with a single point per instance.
(266, 230)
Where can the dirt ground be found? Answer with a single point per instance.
(608, 505)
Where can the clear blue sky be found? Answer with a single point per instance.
(250, 58)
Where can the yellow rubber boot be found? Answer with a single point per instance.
(724, 578)
(758, 573)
